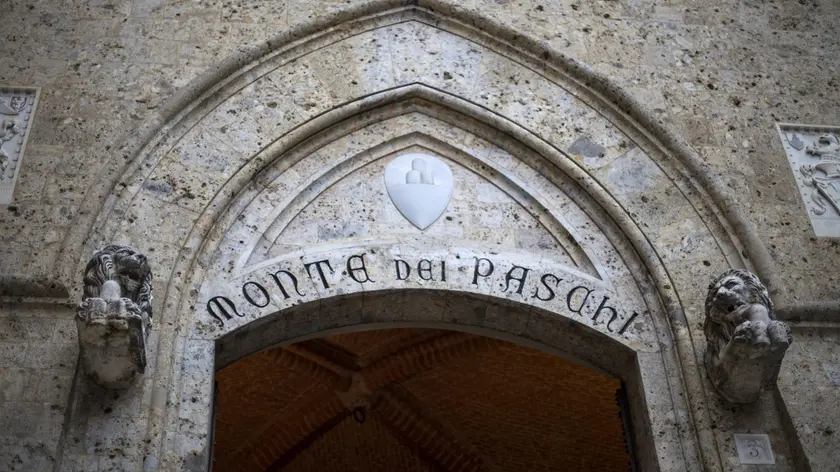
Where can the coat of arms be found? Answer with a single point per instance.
(823, 178)
(814, 155)
(420, 187)
(10, 108)
(14, 105)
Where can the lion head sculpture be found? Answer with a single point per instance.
(115, 316)
(729, 297)
(746, 343)
(830, 141)
(128, 268)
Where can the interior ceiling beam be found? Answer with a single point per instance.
(411, 423)
(392, 405)
(421, 357)
(283, 434)
(330, 363)
(377, 353)
(307, 441)
(316, 370)
(328, 355)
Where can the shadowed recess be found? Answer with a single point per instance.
(416, 399)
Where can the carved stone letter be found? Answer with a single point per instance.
(115, 316)
(746, 343)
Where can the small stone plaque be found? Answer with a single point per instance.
(754, 449)
(814, 156)
(17, 108)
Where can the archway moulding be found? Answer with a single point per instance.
(358, 269)
(358, 151)
(535, 128)
(156, 135)
(644, 373)
(252, 242)
(200, 224)
(241, 223)
(346, 281)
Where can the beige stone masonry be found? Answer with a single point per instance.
(634, 142)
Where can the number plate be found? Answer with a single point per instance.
(754, 449)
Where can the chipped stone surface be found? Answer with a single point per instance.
(38, 353)
(806, 380)
(832, 371)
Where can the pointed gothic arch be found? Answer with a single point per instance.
(214, 214)
(255, 210)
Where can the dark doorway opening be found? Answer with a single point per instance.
(416, 399)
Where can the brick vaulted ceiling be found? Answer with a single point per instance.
(415, 399)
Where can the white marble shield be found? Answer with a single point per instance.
(420, 186)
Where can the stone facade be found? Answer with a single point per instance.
(629, 148)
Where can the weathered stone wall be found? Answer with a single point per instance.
(717, 74)
(809, 386)
(38, 351)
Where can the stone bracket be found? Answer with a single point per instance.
(746, 344)
(115, 317)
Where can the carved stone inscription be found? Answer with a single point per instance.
(527, 284)
(814, 155)
(17, 107)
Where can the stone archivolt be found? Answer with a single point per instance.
(636, 200)
(526, 205)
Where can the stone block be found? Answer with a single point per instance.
(52, 355)
(13, 383)
(12, 354)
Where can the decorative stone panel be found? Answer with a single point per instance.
(814, 155)
(17, 108)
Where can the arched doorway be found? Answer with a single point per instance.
(452, 325)
(416, 399)
(259, 180)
